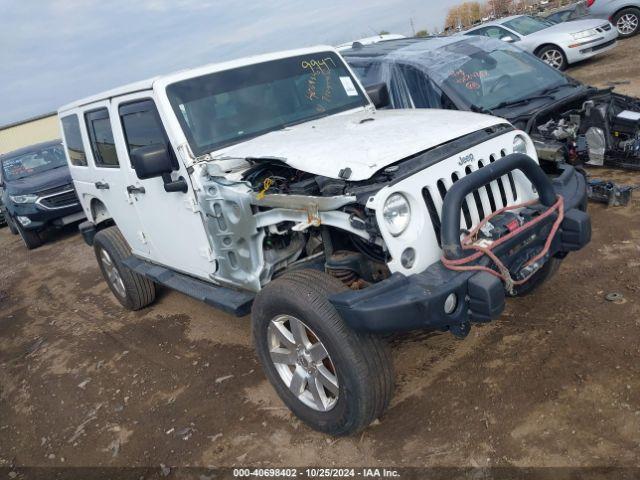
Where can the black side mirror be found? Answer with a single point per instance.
(379, 95)
(153, 161)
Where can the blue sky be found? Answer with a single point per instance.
(56, 51)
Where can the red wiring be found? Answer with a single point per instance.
(470, 239)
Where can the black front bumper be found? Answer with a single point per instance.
(42, 218)
(402, 303)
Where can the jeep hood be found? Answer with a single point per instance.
(364, 142)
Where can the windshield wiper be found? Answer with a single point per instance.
(479, 109)
(556, 88)
(522, 101)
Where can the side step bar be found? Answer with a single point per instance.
(231, 301)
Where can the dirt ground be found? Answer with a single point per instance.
(554, 382)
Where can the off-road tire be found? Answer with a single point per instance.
(547, 271)
(31, 238)
(139, 291)
(631, 13)
(362, 361)
(562, 58)
(11, 224)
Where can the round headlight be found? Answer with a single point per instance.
(519, 144)
(396, 213)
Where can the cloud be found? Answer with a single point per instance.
(57, 51)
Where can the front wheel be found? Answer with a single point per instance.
(627, 22)
(11, 224)
(546, 272)
(553, 56)
(334, 379)
(31, 238)
(132, 290)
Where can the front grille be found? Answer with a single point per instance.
(488, 199)
(61, 188)
(61, 200)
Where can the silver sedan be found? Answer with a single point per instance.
(559, 45)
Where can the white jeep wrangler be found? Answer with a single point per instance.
(272, 185)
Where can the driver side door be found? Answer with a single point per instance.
(171, 221)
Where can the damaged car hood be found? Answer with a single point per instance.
(364, 142)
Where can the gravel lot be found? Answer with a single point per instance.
(554, 382)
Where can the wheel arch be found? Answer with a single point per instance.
(626, 6)
(99, 212)
(544, 45)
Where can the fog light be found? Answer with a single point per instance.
(24, 220)
(450, 303)
(408, 257)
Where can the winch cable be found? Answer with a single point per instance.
(468, 243)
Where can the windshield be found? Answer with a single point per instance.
(488, 77)
(527, 25)
(32, 163)
(227, 107)
(470, 71)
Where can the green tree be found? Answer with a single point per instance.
(383, 32)
(422, 33)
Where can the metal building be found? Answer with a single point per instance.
(27, 132)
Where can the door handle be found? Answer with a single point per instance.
(133, 189)
(102, 185)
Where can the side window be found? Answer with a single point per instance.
(141, 125)
(368, 73)
(423, 92)
(480, 31)
(73, 139)
(101, 138)
(497, 32)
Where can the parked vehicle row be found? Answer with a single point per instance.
(557, 44)
(275, 185)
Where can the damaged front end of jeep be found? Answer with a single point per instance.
(406, 240)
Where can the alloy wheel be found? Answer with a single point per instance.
(627, 24)
(303, 363)
(553, 58)
(113, 276)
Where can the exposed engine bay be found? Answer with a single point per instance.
(299, 219)
(603, 130)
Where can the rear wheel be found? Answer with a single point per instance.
(627, 22)
(132, 290)
(553, 56)
(334, 379)
(31, 238)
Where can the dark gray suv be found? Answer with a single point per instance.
(37, 191)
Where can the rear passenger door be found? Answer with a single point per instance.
(170, 220)
(95, 165)
(111, 175)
